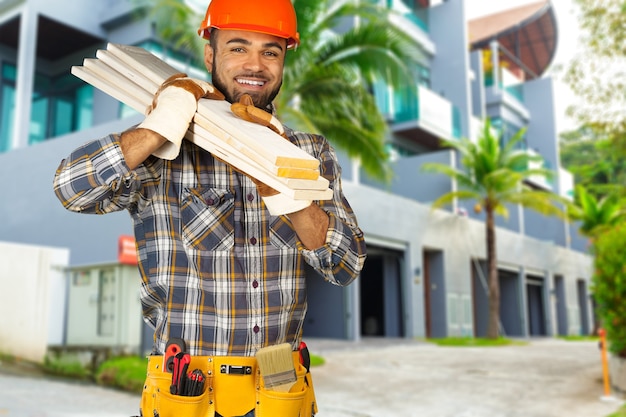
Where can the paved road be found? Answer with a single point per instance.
(387, 378)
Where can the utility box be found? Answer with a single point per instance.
(104, 308)
(32, 299)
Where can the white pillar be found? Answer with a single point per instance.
(26, 57)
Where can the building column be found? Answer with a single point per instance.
(26, 57)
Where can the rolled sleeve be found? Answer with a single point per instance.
(95, 178)
(341, 259)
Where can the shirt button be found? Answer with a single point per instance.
(255, 284)
(256, 329)
(210, 201)
(253, 240)
(250, 197)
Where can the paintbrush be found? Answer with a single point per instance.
(276, 366)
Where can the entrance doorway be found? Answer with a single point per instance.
(382, 312)
(434, 294)
(535, 306)
(583, 306)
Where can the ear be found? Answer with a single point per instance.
(208, 57)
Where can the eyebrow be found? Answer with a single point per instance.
(247, 42)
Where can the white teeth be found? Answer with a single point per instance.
(251, 82)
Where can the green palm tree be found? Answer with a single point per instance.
(329, 78)
(494, 176)
(595, 215)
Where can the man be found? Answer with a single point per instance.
(221, 255)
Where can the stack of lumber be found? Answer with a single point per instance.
(133, 75)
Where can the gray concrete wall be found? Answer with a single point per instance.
(32, 214)
(450, 66)
(404, 222)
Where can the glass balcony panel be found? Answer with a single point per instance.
(7, 112)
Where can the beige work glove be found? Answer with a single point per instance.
(173, 108)
(277, 203)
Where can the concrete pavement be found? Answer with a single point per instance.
(387, 378)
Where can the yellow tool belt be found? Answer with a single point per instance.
(233, 387)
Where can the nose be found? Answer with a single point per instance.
(254, 63)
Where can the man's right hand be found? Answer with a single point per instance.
(173, 107)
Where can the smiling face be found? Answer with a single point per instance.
(243, 62)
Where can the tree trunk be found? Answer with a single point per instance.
(494, 285)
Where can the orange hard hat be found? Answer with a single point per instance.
(274, 17)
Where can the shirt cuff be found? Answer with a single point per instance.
(327, 257)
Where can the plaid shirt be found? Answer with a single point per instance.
(217, 269)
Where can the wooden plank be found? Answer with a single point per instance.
(261, 140)
(297, 189)
(130, 73)
(153, 68)
(117, 93)
(310, 173)
(115, 78)
(217, 143)
(198, 135)
(257, 138)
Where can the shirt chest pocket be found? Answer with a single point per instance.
(282, 234)
(207, 216)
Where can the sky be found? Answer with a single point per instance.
(567, 27)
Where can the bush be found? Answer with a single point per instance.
(66, 366)
(609, 286)
(126, 373)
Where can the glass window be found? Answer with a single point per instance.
(7, 110)
(7, 105)
(37, 131)
(61, 105)
(84, 107)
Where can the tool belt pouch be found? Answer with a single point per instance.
(298, 402)
(156, 399)
(228, 390)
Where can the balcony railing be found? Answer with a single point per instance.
(428, 109)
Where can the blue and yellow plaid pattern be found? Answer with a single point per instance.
(217, 269)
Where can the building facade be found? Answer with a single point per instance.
(425, 273)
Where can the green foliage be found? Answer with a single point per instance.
(594, 160)
(619, 413)
(127, 373)
(595, 215)
(328, 78)
(609, 286)
(474, 342)
(494, 175)
(66, 366)
(317, 360)
(580, 338)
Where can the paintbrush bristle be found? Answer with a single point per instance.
(276, 366)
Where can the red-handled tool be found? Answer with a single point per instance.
(179, 374)
(305, 357)
(174, 347)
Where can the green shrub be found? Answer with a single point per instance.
(609, 286)
(126, 373)
(66, 366)
(474, 342)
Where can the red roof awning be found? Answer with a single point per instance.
(527, 33)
